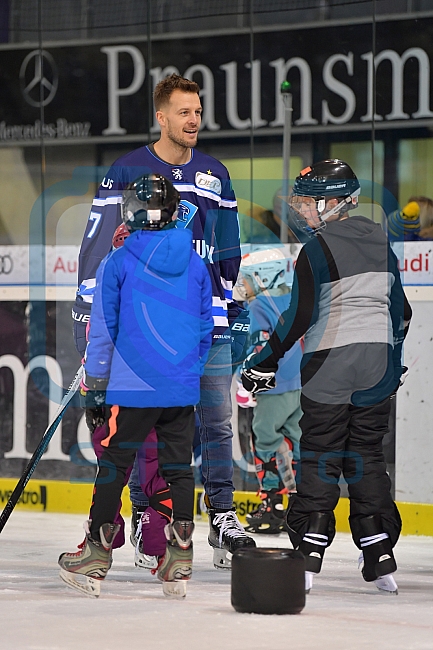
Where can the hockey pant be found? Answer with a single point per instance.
(125, 431)
(342, 439)
(98, 435)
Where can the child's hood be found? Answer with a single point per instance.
(164, 251)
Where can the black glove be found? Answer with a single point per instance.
(239, 330)
(256, 379)
(95, 395)
(95, 417)
(81, 317)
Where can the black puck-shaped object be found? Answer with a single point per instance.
(268, 581)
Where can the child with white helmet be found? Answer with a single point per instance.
(275, 425)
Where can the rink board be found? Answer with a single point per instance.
(67, 497)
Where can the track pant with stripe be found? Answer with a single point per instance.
(127, 428)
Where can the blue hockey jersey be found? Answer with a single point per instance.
(208, 208)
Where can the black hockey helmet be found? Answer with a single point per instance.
(149, 203)
(322, 181)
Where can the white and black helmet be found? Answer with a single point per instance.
(264, 269)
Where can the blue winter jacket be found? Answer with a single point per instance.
(151, 321)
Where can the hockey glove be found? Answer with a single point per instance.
(257, 380)
(95, 417)
(239, 330)
(81, 317)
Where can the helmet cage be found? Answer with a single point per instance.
(344, 205)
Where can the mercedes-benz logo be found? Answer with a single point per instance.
(39, 78)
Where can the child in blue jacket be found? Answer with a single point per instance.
(148, 343)
(275, 426)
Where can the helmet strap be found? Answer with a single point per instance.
(342, 206)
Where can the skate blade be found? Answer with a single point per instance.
(89, 586)
(222, 559)
(143, 561)
(174, 589)
(387, 585)
(308, 581)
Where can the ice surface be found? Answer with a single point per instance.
(38, 611)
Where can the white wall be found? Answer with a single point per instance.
(414, 427)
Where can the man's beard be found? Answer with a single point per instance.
(180, 141)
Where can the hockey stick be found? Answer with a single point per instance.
(41, 449)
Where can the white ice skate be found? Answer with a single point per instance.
(143, 561)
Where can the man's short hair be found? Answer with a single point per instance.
(165, 88)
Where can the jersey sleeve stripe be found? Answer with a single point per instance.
(220, 321)
(110, 200)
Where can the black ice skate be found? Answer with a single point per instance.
(226, 535)
(313, 545)
(175, 567)
(377, 560)
(268, 517)
(91, 562)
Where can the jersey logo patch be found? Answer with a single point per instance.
(208, 182)
(177, 173)
(107, 183)
(185, 213)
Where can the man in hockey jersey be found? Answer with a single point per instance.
(348, 300)
(208, 207)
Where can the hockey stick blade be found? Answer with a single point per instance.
(40, 449)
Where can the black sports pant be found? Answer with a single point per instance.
(127, 429)
(341, 438)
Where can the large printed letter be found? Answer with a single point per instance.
(21, 376)
(398, 63)
(338, 88)
(281, 69)
(114, 91)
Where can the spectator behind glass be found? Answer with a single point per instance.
(425, 216)
(404, 225)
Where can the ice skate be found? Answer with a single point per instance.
(377, 561)
(309, 576)
(137, 512)
(268, 517)
(175, 567)
(84, 570)
(226, 535)
(386, 584)
(141, 560)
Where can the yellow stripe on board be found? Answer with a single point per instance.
(66, 497)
